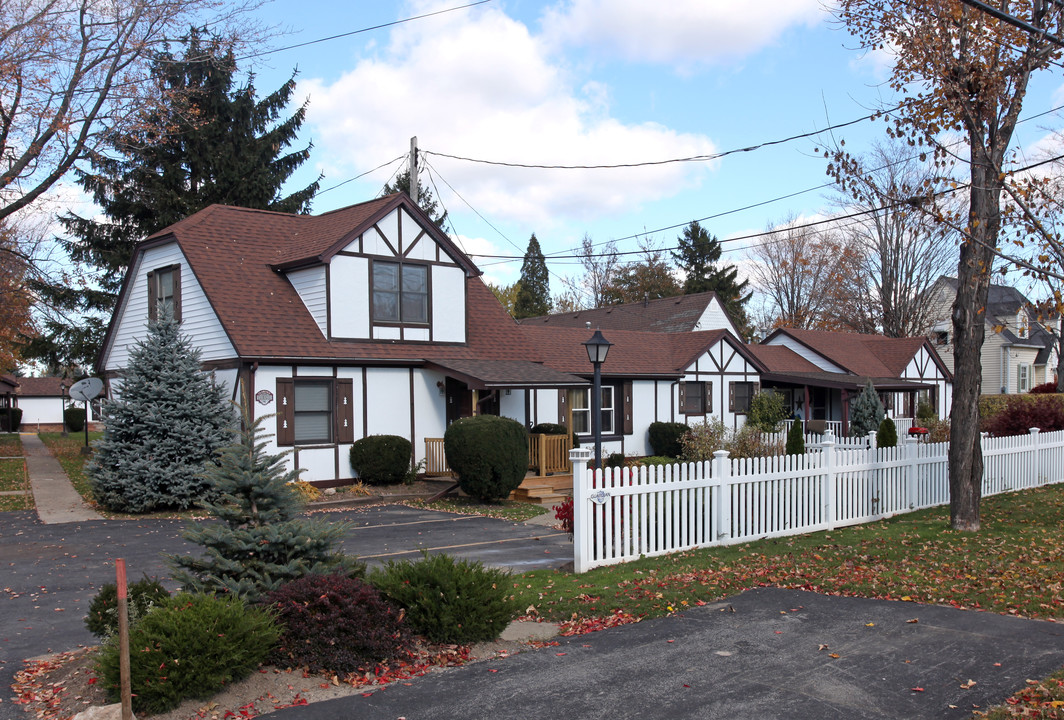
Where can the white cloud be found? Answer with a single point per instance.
(481, 85)
(679, 32)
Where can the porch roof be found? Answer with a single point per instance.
(842, 381)
(488, 374)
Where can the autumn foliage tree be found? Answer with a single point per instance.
(959, 70)
(648, 278)
(15, 300)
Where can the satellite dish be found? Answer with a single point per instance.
(87, 389)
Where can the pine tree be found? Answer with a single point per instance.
(262, 540)
(796, 439)
(866, 412)
(162, 430)
(425, 200)
(533, 295)
(212, 142)
(887, 435)
(698, 254)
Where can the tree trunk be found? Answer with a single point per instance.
(1060, 355)
(969, 316)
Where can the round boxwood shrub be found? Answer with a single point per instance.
(190, 647)
(666, 438)
(448, 600)
(74, 417)
(549, 429)
(10, 419)
(381, 459)
(488, 453)
(141, 596)
(335, 623)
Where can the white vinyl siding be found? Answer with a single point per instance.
(198, 320)
(310, 284)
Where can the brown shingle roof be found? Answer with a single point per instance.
(41, 386)
(672, 314)
(867, 355)
(780, 359)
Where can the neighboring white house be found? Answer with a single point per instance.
(41, 399)
(1018, 353)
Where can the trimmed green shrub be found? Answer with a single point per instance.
(381, 459)
(74, 417)
(448, 600)
(655, 460)
(887, 435)
(15, 415)
(141, 596)
(489, 454)
(615, 460)
(796, 439)
(549, 429)
(666, 438)
(335, 623)
(190, 647)
(767, 411)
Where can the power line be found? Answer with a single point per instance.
(363, 30)
(356, 177)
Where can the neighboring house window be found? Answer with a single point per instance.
(164, 292)
(1023, 377)
(400, 293)
(941, 337)
(582, 411)
(1022, 325)
(314, 411)
(739, 396)
(695, 398)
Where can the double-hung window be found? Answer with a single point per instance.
(582, 411)
(1023, 377)
(164, 293)
(313, 412)
(694, 398)
(740, 396)
(400, 293)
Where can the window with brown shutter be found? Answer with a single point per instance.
(694, 398)
(739, 396)
(309, 412)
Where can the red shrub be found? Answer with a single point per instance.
(564, 514)
(335, 623)
(1021, 414)
(1044, 388)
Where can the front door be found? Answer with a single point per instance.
(459, 400)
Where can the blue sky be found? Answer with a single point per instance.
(584, 82)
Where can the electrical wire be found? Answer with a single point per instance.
(356, 177)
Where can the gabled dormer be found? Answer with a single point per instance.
(393, 277)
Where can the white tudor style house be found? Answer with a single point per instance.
(369, 320)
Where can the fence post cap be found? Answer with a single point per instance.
(580, 454)
(1035, 431)
(721, 453)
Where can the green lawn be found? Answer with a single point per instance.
(13, 475)
(505, 510)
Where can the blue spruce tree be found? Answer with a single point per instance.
(866, 412)
(262, 541)
(162, 430)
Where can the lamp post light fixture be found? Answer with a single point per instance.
(597, 348)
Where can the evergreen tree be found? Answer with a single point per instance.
(533, 295)
(425, 200)
(887, 435)
(262, 541)
(866, 412)
(796, 439)
(211, 142)
(162, 430)
(698, 255)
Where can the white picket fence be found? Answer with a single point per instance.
(621, 514)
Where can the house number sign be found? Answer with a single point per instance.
(264, 397)
(599, 498)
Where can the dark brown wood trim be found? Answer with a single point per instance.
(365, 404)
(408, 248)
(222, 364)
(328, 301)
(384, 237)
(413, 415)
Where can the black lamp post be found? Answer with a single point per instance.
(62, 405)
(597, 348)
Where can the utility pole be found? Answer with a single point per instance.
(413, 169)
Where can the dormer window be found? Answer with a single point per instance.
(400, 293)
(164, 292)
(1022, 325)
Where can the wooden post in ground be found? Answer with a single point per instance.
(123, 640)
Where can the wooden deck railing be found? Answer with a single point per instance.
(546, 454)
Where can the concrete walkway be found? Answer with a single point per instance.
(54, 495)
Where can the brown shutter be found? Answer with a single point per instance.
(626, 389)
(683, 398)
(755, 388)
(344, 412)
(153, 299)
(707, 393)
(285, 412)
(563, 407)
(731, 397)
(177, 293)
